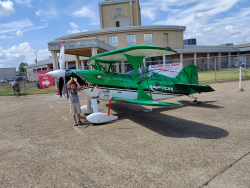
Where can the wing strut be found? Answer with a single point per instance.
(135, 61)
(146, 79)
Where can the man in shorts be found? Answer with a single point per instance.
(74, 100)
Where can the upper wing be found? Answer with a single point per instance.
(145, 51)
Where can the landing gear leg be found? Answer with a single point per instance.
(87, 109)
(195, 100)
(149, 110)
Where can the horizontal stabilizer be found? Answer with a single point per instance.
(146, 102)
(198, 88)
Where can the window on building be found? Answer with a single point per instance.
(44, 68)
(169, 59)
(131, 40)
(148, 38)
(123, 23)
(117, 24)
(72, 66)
(113, 40)
(34, 70)
(38, 70)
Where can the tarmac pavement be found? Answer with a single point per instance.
(205, 145)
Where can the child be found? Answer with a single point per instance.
(74, 100)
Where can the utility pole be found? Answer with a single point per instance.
(36, 55)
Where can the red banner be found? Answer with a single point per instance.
(44, 80)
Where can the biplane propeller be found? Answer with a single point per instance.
(139, 86)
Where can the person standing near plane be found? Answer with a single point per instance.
(74, 100)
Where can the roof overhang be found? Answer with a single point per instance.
(81, 47)
(210, 50)
(122, 29)
(49, 61)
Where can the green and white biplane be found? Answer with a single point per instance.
(139, 86)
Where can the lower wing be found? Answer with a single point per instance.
(146, 102)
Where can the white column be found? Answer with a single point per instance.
(144, 62)
(94, 52)
(123, 67)
(82, 64)
(229, 59)
(195, 58)
(219, 60)
(164, 59)
(181, 59)
(54, 60)
(77, 61)
(117, 67)
(208, 61)
(67, 65)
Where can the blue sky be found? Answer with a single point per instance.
(27, 25)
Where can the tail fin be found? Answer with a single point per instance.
(188, 75)
(187, 80)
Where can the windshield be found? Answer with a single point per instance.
(141, 72)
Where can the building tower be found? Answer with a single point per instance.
(119, 13)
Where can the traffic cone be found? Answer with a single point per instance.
(58, 92)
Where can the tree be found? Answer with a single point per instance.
(21, 67)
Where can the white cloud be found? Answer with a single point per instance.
(6, 37)
(34, 28)
(6, 8)
(14, 26)
(87, 11)
(13, 56)
(19, 33)
(149, 12)
(27, 2)
(73, 25)
(211, 22)
(48, 14)
(73, 31)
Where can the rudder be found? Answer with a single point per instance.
(188, 75)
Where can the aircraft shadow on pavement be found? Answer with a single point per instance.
(203, 104)
(167, 125)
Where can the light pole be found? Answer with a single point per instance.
(36, 55)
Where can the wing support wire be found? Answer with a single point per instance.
(125, 85)
(107, 80)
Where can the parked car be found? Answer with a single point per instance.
(235, 65)
(3, 81)
(10, 80)
(243, 65)
(20, 78)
